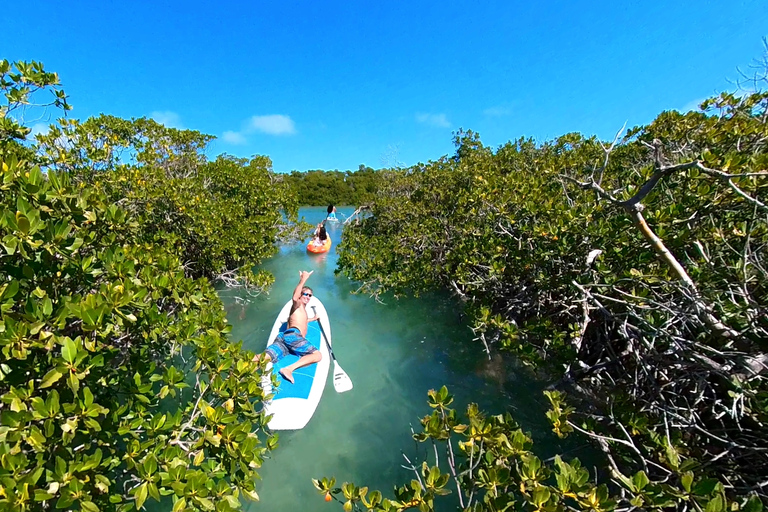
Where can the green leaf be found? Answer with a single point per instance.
(35, 476)
(141, 495)
(753, 504)
(76, 244)
(69, 350)
(38, 405)
(716, 504)
(87, 396)
(152, 488)
(22, 222)
(41, 495)
(64, 501)
(686, 480)
(540, 496)
(47, 306)
(705, 487)
(102, 483)
(73, 382)
(89, 506)
(640, 480)
(672, 456)
(205, 503)
(11, 290)
(50, 378)
(10, 243)
(150, 464)
(253, 495)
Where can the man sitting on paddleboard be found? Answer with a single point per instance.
(293, 339)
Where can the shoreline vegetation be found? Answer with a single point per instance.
(633, 271)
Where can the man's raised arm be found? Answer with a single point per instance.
(303, 276)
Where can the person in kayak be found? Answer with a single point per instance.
(321, 235)
(293, 339)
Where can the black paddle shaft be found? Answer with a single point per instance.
(330, 350)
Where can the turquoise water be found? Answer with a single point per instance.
(394, 352)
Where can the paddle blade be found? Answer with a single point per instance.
(341, 381)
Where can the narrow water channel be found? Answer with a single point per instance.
(394, 352)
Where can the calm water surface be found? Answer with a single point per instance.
(394, 353)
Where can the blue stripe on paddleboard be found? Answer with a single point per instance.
(303, 377)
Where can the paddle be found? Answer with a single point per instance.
(341, 381)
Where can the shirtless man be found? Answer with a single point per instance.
(293, 340)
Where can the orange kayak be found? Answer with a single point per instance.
(311, 247)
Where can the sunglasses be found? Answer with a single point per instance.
(307, 294)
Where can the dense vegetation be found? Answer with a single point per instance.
(118, 381)
(161, 177)
(633, 271)
(317, 188)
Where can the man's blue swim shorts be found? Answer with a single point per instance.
(289, 342)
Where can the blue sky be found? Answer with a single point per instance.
(332, 85)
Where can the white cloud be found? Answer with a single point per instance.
(167, 118)
(236, 138)
(438, 120)
(273, 125)
(39, 129)
(499, 111)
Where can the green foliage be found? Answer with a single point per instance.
(489, 462)
(634, 270)
(483, 225)
(21, 83)
(99, 339)
(317, 188)
(220, 217)
(559, 413)
(118, 382)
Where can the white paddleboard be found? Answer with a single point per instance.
(293, 404)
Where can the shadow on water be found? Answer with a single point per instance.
(394, 353)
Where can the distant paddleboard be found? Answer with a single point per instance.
(292, 405)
